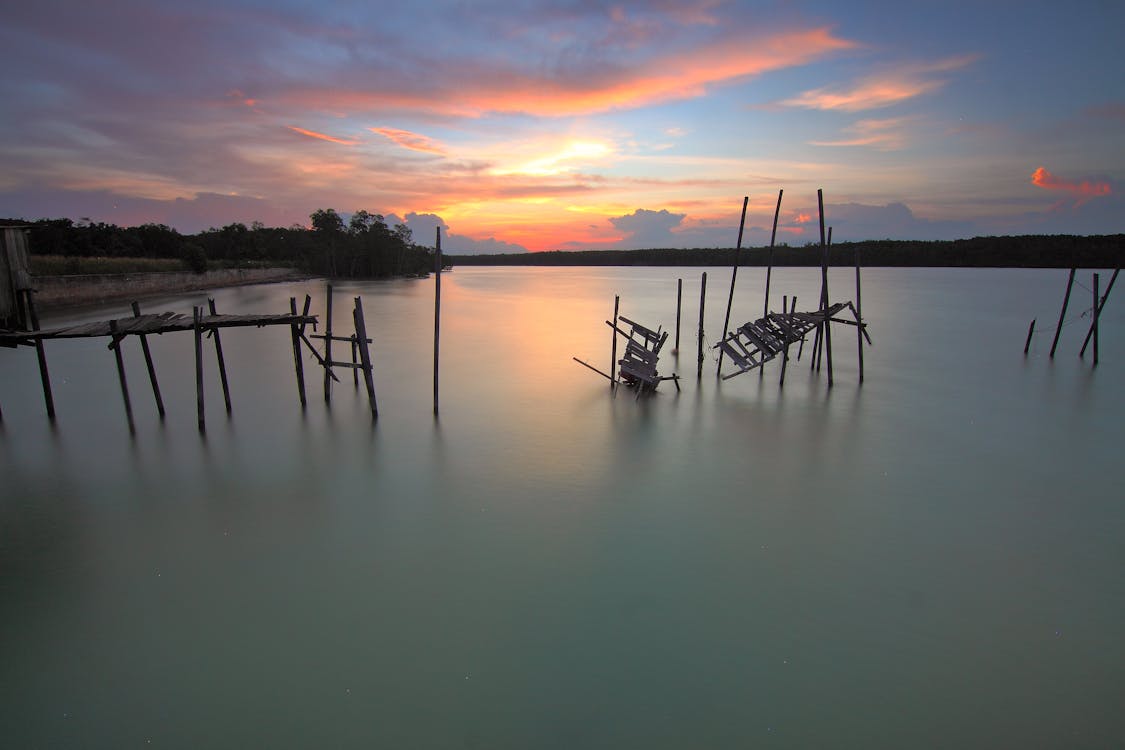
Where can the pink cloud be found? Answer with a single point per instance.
(321, 136)
(412, 141)
(1085, 190)
(882, 90)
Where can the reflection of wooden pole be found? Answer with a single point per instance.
(1062, 313)
(115, 344)
(702, 300)
(328, 348)
(298, 365)
(733, 276)
(437, 313)
(679, 298)
(197, 316)
(769, 262)
(1098, 312)
(219, 357)
(149, 365)
(613, 346)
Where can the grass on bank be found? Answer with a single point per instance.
(66, 265)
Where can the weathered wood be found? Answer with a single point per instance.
(769, 260)
(365, 356)
(41, 355)
(858, 314)
(1030, 333)
(355, 367)
(298, 365)
(1097, 309)
(587, 364)
(1062, 313)
(789, 327)
(679, 298)
(733, 276)
(116, 347)
(702, 302)
(197, 316)
(613, 345)
(149, 364)
(437, 313)
(1098, 312)
(824, 274)
(328, 377)
(219, 357)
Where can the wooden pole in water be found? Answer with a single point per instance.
(769, 261)
(733, 276)
(355, 370)
(613, 345)
(824, 284)
(360, 341)
(219, 357)
(702, 300)
(328, 348)
(679, 298)
(859, 314)
(1098, 312)
(1062, 313)
(148, 363)
(437, 313)
(298, 365)
(115, 344)
(785, 353)
(1030, 333)
(197, 315)
(41, 355)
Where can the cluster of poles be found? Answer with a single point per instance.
(1095, 314)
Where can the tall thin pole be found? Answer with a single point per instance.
(44, 375)
(116, 346)
(679, 298)
(733, 276)
(1062, 313)
(769, 262)
(328, 348)
(824, 285)
(197, 316)
(1030, 333)
(1096, 310)
(298, 365)
(702, 300)
(613, 344)
(437, 313)
(858, 314)
(1108, 289)
(219, 357)
(149, 365)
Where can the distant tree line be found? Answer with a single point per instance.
(364, 247)
(1028, 251)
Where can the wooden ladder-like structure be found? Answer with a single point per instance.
(642, 351)
(757, 342)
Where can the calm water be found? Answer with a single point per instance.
(933, 559)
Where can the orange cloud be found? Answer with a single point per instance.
(884, 135)
(412, 141)
(321, 136)
(881, 90)
(1084, 190)
(802, 219)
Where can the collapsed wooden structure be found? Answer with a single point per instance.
(637, 368)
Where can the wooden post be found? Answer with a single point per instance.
(355, 370)
(679, 298)
(197, 316)
(785, 353)
(769, 262)
(298, 365)
(859, 314)
(437, 313)
(733, 276)
(702, 301)
(1098, 312)
(328, 348)
(219, 357)
(1030, 333)
(360, 340)
(824, 283)
(115, 344)
(44, 376)
(1062, 313)
(613, 345)
(149, 365)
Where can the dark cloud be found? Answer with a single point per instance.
(424, 229)
(645, 228)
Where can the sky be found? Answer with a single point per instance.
(522, 125)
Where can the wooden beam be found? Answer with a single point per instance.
(219, 357)
(115, 345)
(1062, 313)
(733, 276)
(298, 365)
(151, 367)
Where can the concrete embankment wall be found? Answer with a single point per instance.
(64, 291)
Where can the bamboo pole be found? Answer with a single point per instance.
(437, 313)
(41, 355)
(148, 363)
(733, 276)
(1098, 312)
(298, 365)
(1062, 313)
(702, 300)
(613, 344)
(328, 348)
(197, 315)
(859, 314)
(1030, 333)
(769, 261)
(219, 357)
(115, 344)
(360, 340)
(679, 299)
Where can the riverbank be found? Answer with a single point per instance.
(58, 292)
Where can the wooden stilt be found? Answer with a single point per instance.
(1062, 313)
(702, 301)
(1098, 312)
(219, 357)
(360, 341)
(437, 313)
(733, 276)
(1030, 333)
(115, 345)
(197, 317)
(151, 367)
(824, 284)
(355, 370)
(679, 298)
(769, 261)
(1097, 309)
(41, 355)
(613, 346)
(328, 348)
(785, 354)
(858, 314)
(298, 365)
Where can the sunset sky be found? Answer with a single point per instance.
(523, 125)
